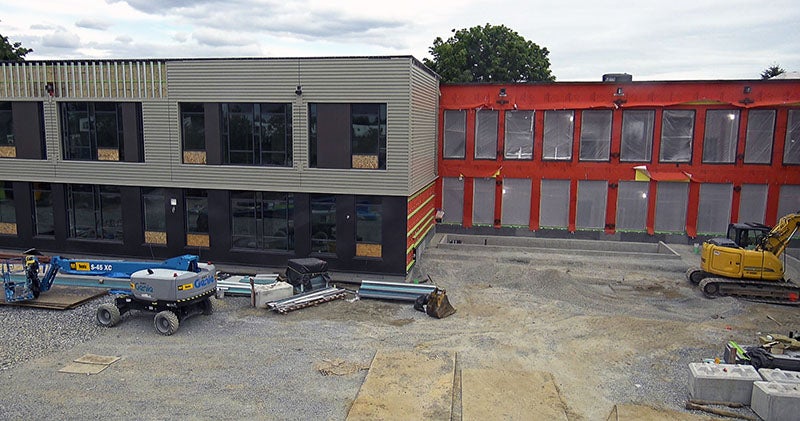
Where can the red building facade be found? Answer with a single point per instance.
(637, 159)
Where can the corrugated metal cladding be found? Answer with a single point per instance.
(411, 95)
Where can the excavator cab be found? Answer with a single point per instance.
(747, 235)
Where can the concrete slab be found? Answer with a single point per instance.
(722, 382)
(774, 401)
(406, 385)
(779, 376)
(510, 395)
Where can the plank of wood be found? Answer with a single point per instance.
(61, 297)
(406, 385)
(510, 395)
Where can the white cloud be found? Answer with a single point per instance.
(61, 39)
(93, 23)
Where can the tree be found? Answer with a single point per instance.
(12, 52)
(772, 71)
(489, 54)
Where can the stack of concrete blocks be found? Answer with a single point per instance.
(778, 397)
(272, 292)
(722, 382)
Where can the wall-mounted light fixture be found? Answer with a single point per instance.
(747, 89)
(619, 92)
(173, 202)
(299, 90)
(502, 92)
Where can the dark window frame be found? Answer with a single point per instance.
(259, 147)
(76, 147)
(264, 205)
(322, 223)
(7, 124)
(190, 134)
(41, 194)
(8, 210)
(100, 197)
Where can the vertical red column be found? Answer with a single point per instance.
(573, 204)
(736, 200)
(692, 209)
(611, 206)
(498, 201)
(616, 136)
(773, 194)
(536, 192)
(651, 207)
(469, 188)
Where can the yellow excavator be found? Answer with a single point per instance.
(727, 269)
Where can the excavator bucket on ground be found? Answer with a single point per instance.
(438, 305)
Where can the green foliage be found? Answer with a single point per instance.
(12, 52)
(489, 54)
(772, 71)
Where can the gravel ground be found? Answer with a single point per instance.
(610, 330)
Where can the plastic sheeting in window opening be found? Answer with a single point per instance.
(758, 140)
(591, 212)
(721, 136)
(554, 205)
(637, 135)
(671, 201)
(452, 200)
(632, 205)
(455, 140)
(788, 200)
(558, 132)
(486, 134)
(595, 136)
(677, 129)
(483, 201)
(519, 135)
(791, 149)
(753, 203)
(516, 206)
(714, 208)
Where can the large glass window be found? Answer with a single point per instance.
(637, 136)
(677, 129)
(6, 125)
(518, 142)
(262, 220)
(591, 212)
(595, 135)
(453, 200)
(155, 215)
(554, 204)
(721, 136)
(193, 133)
(323, 223)
(94, 212)
(516, 202)
(8, 211)
(671, 202)
(369, 226)
(93, 130)
(43, 209)
(196, 206)
(791, 149)
(483, 201)
(455, 134)
(632, 205)
(486, 134)
(753, 203)
(368, 135)
(788, 200)
(760, 132)
(715, 208)
(257, 134)
(558, 134)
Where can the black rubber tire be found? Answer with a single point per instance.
(208, 306)
(166, 322)
(108, 315)
(711, 290)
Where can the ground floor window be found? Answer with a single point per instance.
(788, 200)
(262, 220)
(94, 212)
(369, 226)
(155, 218)
(591, 212)
(632, 205)
(323, 224)
(196, 205)
(554, 204)
(671, 202)
(43, 209)
(483, 201)
(452, 200)
(516, 206)
(8, 211)
(753, 203)
(714, 208)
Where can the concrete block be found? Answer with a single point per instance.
(774, 401)
(779, 376)
(272, 292)
(722, 382)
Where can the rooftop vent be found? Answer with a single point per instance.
(617, 77)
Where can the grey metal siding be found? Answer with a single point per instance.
(424, 109)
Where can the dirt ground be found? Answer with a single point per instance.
(611, 332)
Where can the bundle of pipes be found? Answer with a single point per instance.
(307, 299)
(240, 285)
(393, 290)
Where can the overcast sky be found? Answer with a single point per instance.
(652, 40)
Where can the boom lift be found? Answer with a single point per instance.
(727, 268)
(175, 289)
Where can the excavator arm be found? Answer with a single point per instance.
(778, 238)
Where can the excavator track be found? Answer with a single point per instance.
(772, 292)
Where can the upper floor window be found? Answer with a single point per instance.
(6, 128)
(486, 134)
(8, 211)
(193, 133)
(455, 134)
(791, 149)
(558, 135)
(721, 136)
(595, 135)
(22, 130)
(94, 212)
(347, 136)
(758, 140)
(94, 131)
(637, 136)
(518, 142)
(677, 130)
(257, 134)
